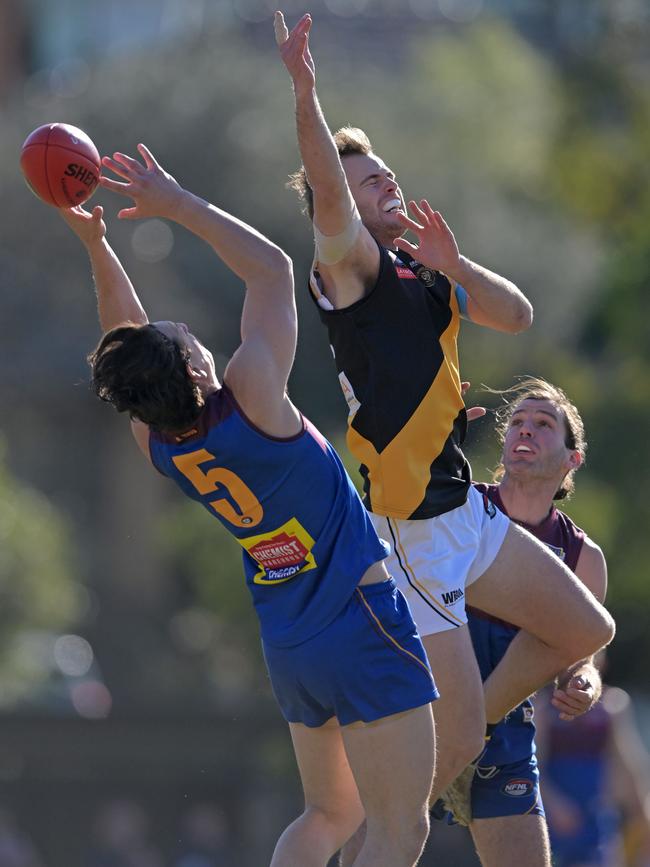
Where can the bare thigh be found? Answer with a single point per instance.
(459, 712)
(512, 841)
(327, 779)
(529, 586)
(392, 761)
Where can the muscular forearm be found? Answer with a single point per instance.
(250, 255)
(117, 301)
(333, 201)
(493, 301)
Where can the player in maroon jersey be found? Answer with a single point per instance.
(544, 445)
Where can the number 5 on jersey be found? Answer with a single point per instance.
(221, 480)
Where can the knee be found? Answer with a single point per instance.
(465, 744)
(598, 633)
(337, 823)
(405, 836)
(415, 839)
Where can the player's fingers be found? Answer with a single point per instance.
(149, 159)
(113, 186)
(406, 246)
(280, 28)
(475, 412)
(116, 168)
(127, 161)
(127, 213)
(98, 213)
(428, 210)
(417, 212)
(440, 220)
(407, 222)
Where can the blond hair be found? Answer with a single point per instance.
(348, 140)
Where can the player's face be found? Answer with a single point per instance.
(535, 442)
(200, 359)
(375, 191)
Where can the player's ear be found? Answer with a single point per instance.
(575, 459)
(198, 377)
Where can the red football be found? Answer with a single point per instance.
(61, 164)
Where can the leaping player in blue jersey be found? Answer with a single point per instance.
(392, 310)
(346, 663)
(543, 445)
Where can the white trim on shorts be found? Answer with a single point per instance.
(433, 560)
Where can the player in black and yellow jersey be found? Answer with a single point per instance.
(392, 310)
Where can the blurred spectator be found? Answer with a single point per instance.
(16, 849)
(204, 838)
(121, 838)
(596, 784)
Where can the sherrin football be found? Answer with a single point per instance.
(60, 164)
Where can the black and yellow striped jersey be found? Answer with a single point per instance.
(397, 357)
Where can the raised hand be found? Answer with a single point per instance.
(90, 228)
(473, 412)
(294, 51)
(154, 192)
(437, 246)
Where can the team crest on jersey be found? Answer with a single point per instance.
(528, 714)
(427, 277)
(281, 554)
(518, 788)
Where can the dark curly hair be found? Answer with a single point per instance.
(348, 140)
(536, 388)
(143, 372)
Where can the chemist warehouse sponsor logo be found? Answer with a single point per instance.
(281, 554)
(518, 788)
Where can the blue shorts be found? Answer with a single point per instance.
(507, 790)
(367, 664)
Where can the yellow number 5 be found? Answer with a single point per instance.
(206, 482)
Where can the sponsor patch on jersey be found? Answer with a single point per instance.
(349, 395)
(405, 273)
(518, 788)
(281, 554)
(452, 597)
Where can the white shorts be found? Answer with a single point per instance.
(435, 559)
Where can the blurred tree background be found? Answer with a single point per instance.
(526, 123)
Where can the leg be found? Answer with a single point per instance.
(333, 810)
(459, 712)
(510, 841)
(529, 586)
(392, 761)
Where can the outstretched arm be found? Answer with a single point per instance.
(492, 300)
(334, 206)
(117, 301)
(259, 370)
